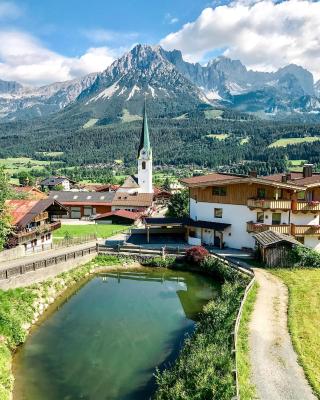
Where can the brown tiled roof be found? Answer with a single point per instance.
(131, 182)
(134, 200)
(297, 178)
(227, 179)
(31, 191)
(211, 178)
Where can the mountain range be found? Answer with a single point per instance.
(172, 86)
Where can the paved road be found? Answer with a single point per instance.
(44, 254)
(276, 372)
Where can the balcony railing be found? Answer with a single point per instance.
(253, 227)
(269, 204)
(42, 216)
(305, 230)
(301, 205)
(292, 229)
(27, 235)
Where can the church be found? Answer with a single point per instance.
(142, 182)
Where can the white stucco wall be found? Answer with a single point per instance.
(305, 219)
(312, 242)
(236, 236)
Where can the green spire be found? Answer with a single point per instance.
(145, 139)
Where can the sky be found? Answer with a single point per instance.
(45, 41)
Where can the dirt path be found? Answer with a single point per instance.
(276, 372)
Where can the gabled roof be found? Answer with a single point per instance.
(133, 199)
(131, 182)
(270, 238)
(23, 212)
(120, 213)
(31, 191)
(219, 178)
(297, 178)
(82, 198)
(54, 180)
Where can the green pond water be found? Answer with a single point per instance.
(106, 340)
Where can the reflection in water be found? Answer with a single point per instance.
(106, 341)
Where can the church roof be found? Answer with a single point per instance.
(144, 139)
(130, 182)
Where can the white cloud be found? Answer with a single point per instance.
(9, 10)
(264, 35)
(25, 59)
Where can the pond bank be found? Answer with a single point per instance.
(21, 308)
(207, 353)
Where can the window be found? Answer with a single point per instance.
(143, 165)
(260, 217)
(261, 193)
(218, 212)
(300, 196)
(87, 211)
(276, 218)
(219, 191)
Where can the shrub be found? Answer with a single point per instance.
(160, 262)
(304, 257)
(196, 254)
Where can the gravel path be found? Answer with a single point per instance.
(275, 370)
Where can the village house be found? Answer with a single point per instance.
(52, 182)
(84, 205)
(33, 223)
(30, 192)
(245, 205)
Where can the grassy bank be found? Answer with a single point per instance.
(247, 389)
(304, 318)
(204, 368)
(20, 308)
(101, 231)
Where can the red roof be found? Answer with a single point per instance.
(211, 178)
(121, 213)
(20, 208)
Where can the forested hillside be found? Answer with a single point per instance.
(208, 138)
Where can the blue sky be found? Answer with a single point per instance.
(45, 41)
(65, 25)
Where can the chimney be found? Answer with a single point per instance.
(253, 174)
(284, 178)
(307, 170)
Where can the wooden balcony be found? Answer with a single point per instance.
(292, 229)
(305, 206)
(269, 204)
(305, 230)
(26, 236)
(41, 217)
(253, 227)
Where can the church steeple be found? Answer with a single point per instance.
(145, 157)
(145, 139)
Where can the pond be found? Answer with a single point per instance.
(106, 340)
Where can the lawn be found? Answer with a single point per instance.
(219, 136)
(304, 318)
(127, 117)
(101, 231)
(213, 114)
(247, 389)
(286, 141)
(18, 164)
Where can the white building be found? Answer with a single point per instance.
(141, 183)
(229, 209)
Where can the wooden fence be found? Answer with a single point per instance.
(44, 262)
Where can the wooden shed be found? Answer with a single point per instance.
(274, 248)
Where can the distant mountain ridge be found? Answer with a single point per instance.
(170, 82)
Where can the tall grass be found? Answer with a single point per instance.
(204, 368)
